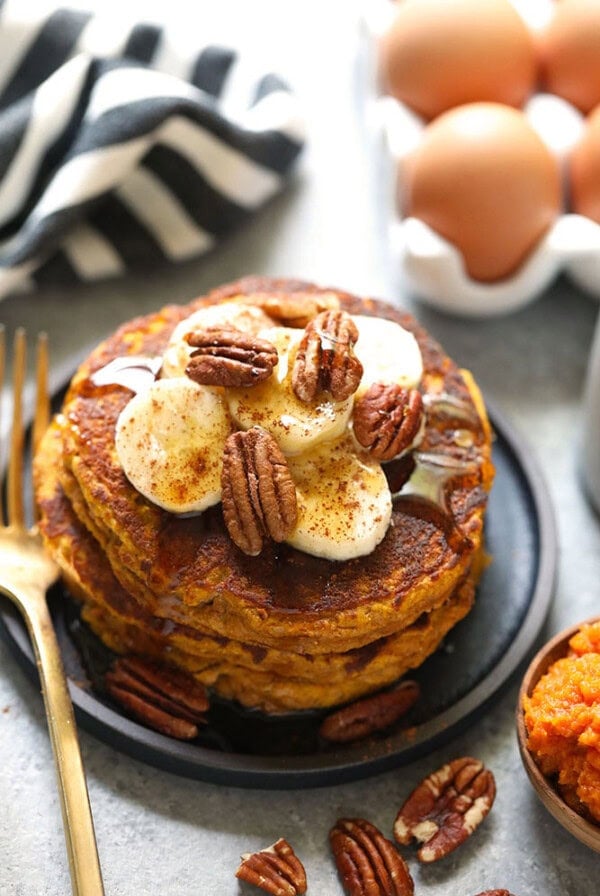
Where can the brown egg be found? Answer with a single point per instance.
(584, 170)
(442, 53)
(483, 179)
(569, 50)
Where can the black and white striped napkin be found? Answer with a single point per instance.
(118, 150)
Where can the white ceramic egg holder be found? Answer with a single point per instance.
(433, 268)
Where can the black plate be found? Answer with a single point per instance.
(458, 681)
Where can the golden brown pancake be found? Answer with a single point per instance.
(257, 676)
(283, 630)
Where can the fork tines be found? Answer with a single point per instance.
(15, 512)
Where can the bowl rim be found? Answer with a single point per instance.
(585, 831)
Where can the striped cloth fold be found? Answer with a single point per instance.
(120, 150)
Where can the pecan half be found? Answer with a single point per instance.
(294, 309)
(446, 807)
(495, 893)
(372, 714)
(164, 698)
(224, 356)
(258, 492)
(276, 870)
(387, 419)
(368, 863)
(325, 360)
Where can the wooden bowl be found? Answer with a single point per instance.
(585, 831)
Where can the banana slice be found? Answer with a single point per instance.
(344, 502)
(248, 318)
(388, 353)
(295, 425)
(169, 441)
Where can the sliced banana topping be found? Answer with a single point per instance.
(248, 318)
(170, 437)
(344, 502)
(295, 425)
(169, 441)
(388, 353)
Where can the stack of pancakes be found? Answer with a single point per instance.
(284, 630)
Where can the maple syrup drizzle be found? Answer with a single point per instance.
(463, 438)
(425, 494)
(447, 405)
(432, 474)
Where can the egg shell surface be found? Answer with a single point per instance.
(569, 53)
(438, 54)
(483, 179)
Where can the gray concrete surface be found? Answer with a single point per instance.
(158, 833)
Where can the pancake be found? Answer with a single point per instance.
(285, 629)
(273, 680)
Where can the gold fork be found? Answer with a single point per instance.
(26, 573)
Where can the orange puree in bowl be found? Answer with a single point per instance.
(562, 717)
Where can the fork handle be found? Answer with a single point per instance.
(84, 866)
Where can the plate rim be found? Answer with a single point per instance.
(347, 763)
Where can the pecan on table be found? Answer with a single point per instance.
(375, 713)
(225, 356)
(446, 807)
(258, 492)
(164, 698)
(368, 863)
(325, 360)
(495, 893)
(276, 870)
(294, 309)
(387, 419)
